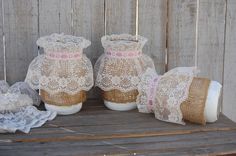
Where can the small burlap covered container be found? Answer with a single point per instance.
(175, 96)
(63, 73)
(118, 70)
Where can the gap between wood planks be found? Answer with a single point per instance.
(118, 136)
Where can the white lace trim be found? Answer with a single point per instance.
(60, 42)
(172, 90)
(143, 89)
(13, 102)
(24, 88)
(60, 76)
(24, 119)
(3, 87)
(121, 74)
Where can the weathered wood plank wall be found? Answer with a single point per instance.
(181, 36)
(169, 26)
(181, 33)
(229, 89)
(21, 32)
(1, 44)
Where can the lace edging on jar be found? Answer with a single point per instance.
(172, 90)
(123, 42)
(60, 42)
(54, 84)
(111, 73)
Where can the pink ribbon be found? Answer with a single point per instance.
(123, 54)
(152, 92)
(63, 55)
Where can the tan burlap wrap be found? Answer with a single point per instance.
(63, 99)
(120, 97)
(193, 107)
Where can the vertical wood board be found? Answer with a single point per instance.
(152, 25)
(1, 45)
(21, 31)
(55, 17)
(229, 94)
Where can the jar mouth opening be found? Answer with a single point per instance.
(123, 42)
(60, 41)
(124, 38)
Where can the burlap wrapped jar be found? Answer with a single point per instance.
(119, 69)
(63, 73)
(178, 95)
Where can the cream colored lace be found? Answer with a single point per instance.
(58, 74)
(115, 69)
(172, 89)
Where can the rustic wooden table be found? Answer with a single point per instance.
(98, 131)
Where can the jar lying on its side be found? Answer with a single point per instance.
(63, 73)
(178, 95)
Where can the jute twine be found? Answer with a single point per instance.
(63, 99)
(120, 97)
(193, 108)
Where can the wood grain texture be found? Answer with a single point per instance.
(1, 45)
(55, 17)
(152, 25)
(211, 39)
(98, 131)
(229, 94)
(120, 15)
(181, 32)
(21, 31)
(181, 36)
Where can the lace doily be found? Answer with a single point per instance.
(60, 42)
(122, 64)
(3, 87)
(171, 90)
(13, 102)
(24, 88)
(24, 119)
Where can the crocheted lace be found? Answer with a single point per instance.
(171, 90)
(122, 64)
(3, 87)
(63, 67)
(13, 102)
(24, 88)
(24, 119)
(60, 42)
(16, 110)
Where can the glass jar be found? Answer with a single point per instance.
(63, 73)
(118, 70)
(178, 95)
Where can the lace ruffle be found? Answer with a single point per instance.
(3, 87)
(123, 42)
(24, 88)
(122, 64)
(61, 42)
(13, 102)
(122, 74)
(172, 89)
(60, 76)
(24, 119)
